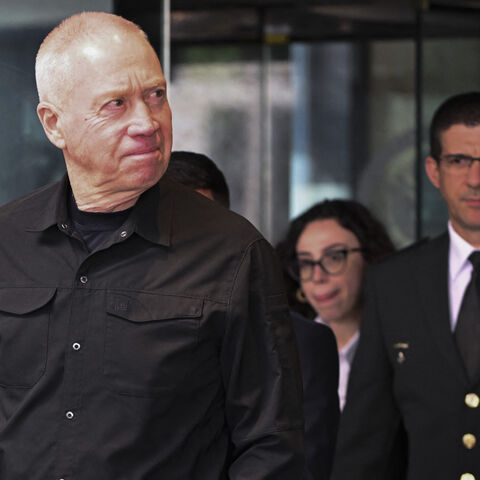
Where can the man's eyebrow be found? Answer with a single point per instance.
(461, 155)
(157, 83)
(121, 90)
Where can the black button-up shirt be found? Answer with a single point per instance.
(165, 353)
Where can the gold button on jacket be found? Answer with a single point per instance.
(469, 440)
(472, 400)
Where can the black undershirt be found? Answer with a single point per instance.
(95, 227)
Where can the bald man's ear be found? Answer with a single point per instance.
(49, 118)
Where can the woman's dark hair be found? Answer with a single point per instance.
(349, 214)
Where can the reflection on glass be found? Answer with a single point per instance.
(354, 129)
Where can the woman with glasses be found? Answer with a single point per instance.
(324, 256)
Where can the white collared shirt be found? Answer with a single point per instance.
(460, 271)
(345, 359)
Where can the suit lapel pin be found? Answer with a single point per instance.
(400, 347)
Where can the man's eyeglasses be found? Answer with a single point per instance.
(332, 262)
(458, 163)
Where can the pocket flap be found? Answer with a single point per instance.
(19, 301)
(146, 307)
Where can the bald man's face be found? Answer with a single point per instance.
(115, 126)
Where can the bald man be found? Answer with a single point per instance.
(144, 334)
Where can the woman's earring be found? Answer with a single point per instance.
(300, 296)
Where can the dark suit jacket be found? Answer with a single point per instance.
(317, 350)
(408, 387)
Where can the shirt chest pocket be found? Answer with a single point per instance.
(150, 342)
(24, 322)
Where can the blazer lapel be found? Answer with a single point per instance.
(433, 283)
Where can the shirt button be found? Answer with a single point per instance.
(64, 226)
(123, 234)
(76, 346)
(69, 415)
(472, 400)
(83, 279)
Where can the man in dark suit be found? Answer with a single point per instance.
(413, 400)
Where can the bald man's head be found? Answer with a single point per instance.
(58, 53)
(103, 102)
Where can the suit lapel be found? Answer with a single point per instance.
(433, 284)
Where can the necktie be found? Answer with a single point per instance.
(467, 331)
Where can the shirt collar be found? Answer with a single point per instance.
(460, 250)
(348, 350)
(153, 213)
(151, 216)
(51, 209)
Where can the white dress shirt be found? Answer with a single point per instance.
(345, 359)
(460, 271)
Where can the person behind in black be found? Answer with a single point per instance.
(199, 172)
(324, 254)
(144, 332)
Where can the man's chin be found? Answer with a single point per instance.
(147, 176)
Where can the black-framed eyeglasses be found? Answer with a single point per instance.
(332, 262)
(458, 163)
